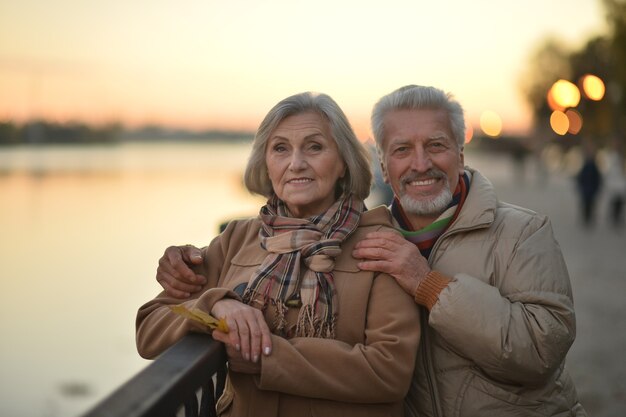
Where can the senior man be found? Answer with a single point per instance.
(489, 276)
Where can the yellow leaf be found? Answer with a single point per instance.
(201, 317)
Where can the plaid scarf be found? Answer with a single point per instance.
(426, 237)
(292, 242)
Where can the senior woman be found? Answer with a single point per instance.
(310, 333)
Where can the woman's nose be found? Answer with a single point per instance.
(298, 161)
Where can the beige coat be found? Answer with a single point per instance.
(496, 339)
(366, 371)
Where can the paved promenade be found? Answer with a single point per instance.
(596, 258)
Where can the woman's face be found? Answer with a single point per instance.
(304, 164)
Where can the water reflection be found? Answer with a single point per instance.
(82, 229)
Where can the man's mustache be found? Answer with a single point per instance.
(432, 173)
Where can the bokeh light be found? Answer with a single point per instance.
(593, 87)
(552, 102)
(575, 121)
(491, 123)
(565, 93)
(559, 122)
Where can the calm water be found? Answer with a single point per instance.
(81, 230)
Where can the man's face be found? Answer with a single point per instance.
(421, 162)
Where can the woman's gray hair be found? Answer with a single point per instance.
(358, 177)
(417, 97)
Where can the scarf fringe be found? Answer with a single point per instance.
(280, 320)
(310, 325)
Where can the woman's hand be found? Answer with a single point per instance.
(237, 363)
(248, 331)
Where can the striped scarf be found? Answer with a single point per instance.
(292, 242)
(426, 237)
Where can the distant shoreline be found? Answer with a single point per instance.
(45, 132)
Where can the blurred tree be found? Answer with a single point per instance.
(616, 19)
(598, 116)
(603, 56)
(548, 63)
(9, 133)
(40, 131)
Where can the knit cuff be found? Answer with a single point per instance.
(427, 292)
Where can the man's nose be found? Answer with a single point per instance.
(421, 161)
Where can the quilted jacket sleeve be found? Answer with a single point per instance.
(518, 325)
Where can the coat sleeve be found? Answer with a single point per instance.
(520, 330)
(377, 370)
(158, 328)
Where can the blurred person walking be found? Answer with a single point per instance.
(589, 182)
(615, 184)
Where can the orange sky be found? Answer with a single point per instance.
(215, 64)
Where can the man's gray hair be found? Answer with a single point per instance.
(358, 177)
(417, 97)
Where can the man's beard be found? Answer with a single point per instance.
(421, 207)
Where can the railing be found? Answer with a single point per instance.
(187, 377)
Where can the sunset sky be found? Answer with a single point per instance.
(222, 64)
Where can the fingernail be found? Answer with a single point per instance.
(267, 351)
(238, 348)
(255, 358)
(246, 356)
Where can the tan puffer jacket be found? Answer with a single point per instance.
(494, 343)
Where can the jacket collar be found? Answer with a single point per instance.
(480, 205)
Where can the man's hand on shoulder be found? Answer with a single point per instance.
(174, 272)
(390, 253)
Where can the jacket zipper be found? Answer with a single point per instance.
(428, 364)
(427, 354)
